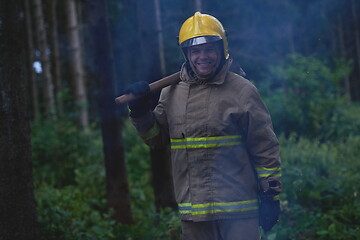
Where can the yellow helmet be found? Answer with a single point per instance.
(200, 29)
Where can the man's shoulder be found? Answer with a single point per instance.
(236, 80)
(168, 91)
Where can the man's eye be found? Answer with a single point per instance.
(195, 51)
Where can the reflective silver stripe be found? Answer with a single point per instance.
(266, 172)
(205, 142)
(213, 208)
(151, 133)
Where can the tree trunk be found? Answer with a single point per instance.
(116, 177)
(343, 51)
(357, 46)
(45, 62)
(76, 62)
(55, 56)
(150, 49)
(17, 202)
(30, 62)
(162, 178)
(149, 24)
(291, 39)
(128, 47)
(160, 37)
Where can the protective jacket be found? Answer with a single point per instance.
(223, 147)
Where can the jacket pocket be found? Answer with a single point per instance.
(177, 131)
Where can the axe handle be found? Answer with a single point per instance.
(157, 85)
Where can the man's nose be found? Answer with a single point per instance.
(203, 54)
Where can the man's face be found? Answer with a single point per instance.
(204, 57)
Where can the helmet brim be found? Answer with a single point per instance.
(200, 40)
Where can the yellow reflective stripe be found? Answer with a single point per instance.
(151, 133)
(205, 138)
(185, 211)
(224, 211)
(221, 204)
(206, 145)
(267, 169)
(269, 174)
(185, 208)
(205, 142)
(184, 204)
(266, 172)
(212, 208)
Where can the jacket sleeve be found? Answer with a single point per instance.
(262, 143)
(152, 127)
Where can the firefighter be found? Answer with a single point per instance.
(225, 155)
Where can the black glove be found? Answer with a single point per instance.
(269, 210)
(140, 106)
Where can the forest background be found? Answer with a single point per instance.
(72, 167)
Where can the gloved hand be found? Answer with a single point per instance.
(140, 106)
(269, 210)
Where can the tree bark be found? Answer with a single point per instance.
(290, 37)
(357, 45)
(116, 177)
(45, 62)
(162, 178)
(128, 47)
(76, 63)
(343, 54)
(150, 49)
(149, 27)
(160, 37)
(55, 56)
(30, 62)
(17, 202)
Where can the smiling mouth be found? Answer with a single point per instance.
(204, 63)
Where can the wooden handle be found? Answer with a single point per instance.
(157, 85)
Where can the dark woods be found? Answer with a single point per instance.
(64, 62)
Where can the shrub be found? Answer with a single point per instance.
(69, 181)
(59, 147)
(149, 224)
(320, 198)
(70, 214)
(304, 95)
(70, 186)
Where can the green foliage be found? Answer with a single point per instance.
(320, 139)
(70, 186)
(69, 213)
(69, 181)
(151, 225)
(305, 96)
(321, 191)
(59, 147)
(158, 226)
(138, 163)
